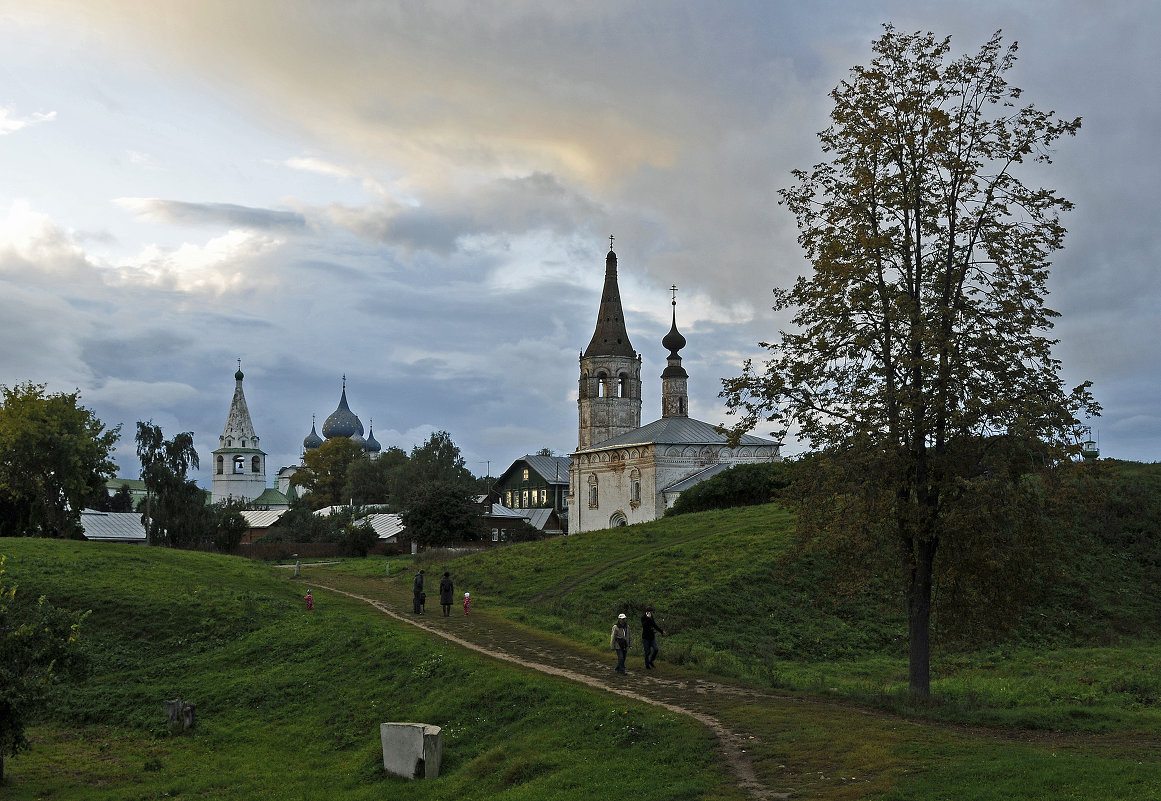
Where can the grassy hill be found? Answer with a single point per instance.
(738, 601)
(289, 702)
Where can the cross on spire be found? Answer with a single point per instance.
(673, 293)
(610, 241)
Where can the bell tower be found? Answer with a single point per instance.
(609, 394)
(239, 469)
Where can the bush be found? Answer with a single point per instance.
(740, 485)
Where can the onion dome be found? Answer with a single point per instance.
(673, 341)
(357, 438)
(372, 445)
(342, 422)
(313, 440)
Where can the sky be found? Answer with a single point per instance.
(419, 196)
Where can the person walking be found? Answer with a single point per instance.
(649, 632)
(467, 604)
(446, 593)
(619, 640)
(309, 601)
(417, 593)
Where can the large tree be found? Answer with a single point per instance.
(323, 476)
(54, 455)
(175, 513)
(919, 352)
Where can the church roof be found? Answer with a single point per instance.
(238, 424)
(112, 526)
(698, 477)
(610, 337)
(342, 422)
(676, 431)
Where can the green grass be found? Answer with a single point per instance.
(737, 604)
(289, 702)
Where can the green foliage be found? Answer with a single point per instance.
(229, 527)
(440, 512)
(175, 512)
(323, 476)
(233, 637)
(919, 354)
(740, 485)
(54, 455)
(38, 648)
(376, 481)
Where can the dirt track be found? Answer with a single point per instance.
(672, 694)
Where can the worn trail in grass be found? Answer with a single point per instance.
(784, 745)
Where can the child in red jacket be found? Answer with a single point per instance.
(467, 603)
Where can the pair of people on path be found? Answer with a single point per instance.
(620, 639)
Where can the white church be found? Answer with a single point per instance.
(623, 472)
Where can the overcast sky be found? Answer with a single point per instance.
(419, 195)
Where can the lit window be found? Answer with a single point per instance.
(526, 474)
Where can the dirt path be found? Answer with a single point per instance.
(647, 688)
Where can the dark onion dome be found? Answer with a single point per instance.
(673, 341)
(372, 445)
(313, 440)
(342, 422)
(238, 376)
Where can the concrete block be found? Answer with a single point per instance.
(412, 750)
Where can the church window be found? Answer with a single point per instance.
(243, 443)
(593, 497)
(635, 484)
(255, 465)
(221, 465)
(602, 385)
(239, 464)
(623, 386)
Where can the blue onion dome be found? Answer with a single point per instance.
(342, 422)
(313, 440)
(372, 445)
(357, 438)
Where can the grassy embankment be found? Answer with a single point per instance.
(289, 702)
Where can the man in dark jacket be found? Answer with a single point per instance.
(417, 592)
(649, 632)
(446, 592)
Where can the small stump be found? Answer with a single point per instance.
(412, 750)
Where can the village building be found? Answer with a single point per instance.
(623, 472)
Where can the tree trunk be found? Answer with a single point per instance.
(919, 620)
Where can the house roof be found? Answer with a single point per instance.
(676, 431)
(499, 510)
(698, 477)
(112, 526)
(553, 469)
(540, 518)
(262, 518)
(387, 525)
(271, 497)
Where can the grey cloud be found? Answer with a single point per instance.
(215, 214)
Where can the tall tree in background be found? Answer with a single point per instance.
(920, 351)
(54, 455)
(324, 472)
(175, 513)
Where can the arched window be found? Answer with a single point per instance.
(221, 465)
(602, 385)
(255, 465)
(239, 464)
(635, 485)
(618, 519)
(593, 498)
(622, 386)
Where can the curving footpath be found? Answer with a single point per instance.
(731, 745)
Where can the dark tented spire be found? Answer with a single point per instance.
(610, 337)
